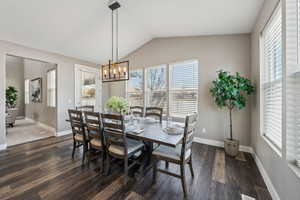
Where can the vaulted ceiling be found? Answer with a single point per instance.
(82, 28)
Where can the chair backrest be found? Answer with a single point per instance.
(114, 130)
(154, 112)
(77, 124)
(137, 110)
(85, 108)
(188, 137)
(93, 126)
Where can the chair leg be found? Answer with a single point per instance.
(84, 152)
(191, 167)
(154, 170)
(74, 147)
(102, 161)
(167, 164)
(182, 169)
(126, 169)
(108, 164)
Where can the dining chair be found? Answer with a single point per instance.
(118, 145)
(137, 110)
(85, 108)
(79, 135)
(95, 135)
(154, 112)
(181, 155)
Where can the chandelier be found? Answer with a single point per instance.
(115, 70)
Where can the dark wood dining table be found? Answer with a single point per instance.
(153, 133)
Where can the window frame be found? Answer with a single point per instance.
(275, 147)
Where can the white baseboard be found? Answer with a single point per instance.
(217, 143)
(266, 178)
(62, 133)
(3, 147)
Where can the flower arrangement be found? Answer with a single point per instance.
(117, 104)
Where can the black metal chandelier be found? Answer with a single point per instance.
(115, 70)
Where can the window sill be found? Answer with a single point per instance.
(273, 147)
(295, 169)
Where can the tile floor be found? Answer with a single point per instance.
(26, 131)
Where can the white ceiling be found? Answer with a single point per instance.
(82, 29)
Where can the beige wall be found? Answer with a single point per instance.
(65, 80)
(15, 78)
(39, 112)
(285, 182)
(228, 52)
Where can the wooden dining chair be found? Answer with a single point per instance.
(95, 135)
(155, 112)
(118, 145)
(181, 155)
(85, 108)
(79, 135)
(137, 110)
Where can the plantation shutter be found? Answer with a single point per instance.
(183, 88)
(272, 79)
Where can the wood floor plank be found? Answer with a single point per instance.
(241, 157)
(134, 196)
(219, 167)
(110, 190)
(44, 170)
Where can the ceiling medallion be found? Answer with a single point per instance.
(115, 70)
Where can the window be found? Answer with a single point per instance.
(51, 88)
(156, 87)
(173, 87)
(271, 80)
(26, 91)
(183, 92)
(135, 88)
(292, 93)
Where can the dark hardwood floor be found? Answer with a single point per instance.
(44, 170)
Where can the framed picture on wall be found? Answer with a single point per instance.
(36, 90)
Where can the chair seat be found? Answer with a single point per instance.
(170, 153)
(96, 142)
(132, 145)
(79, 138)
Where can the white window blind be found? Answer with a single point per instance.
(293, 81)
(26, 91)
(51, 88)
(272, 79)
(135, 88)
(156, 87)
(183, 88)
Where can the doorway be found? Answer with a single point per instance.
(87, 87)
(30, 100)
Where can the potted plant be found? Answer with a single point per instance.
(11, 97)
(117, 105)
(230, 91)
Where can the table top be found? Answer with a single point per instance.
(154, 132)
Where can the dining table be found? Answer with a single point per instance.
(151, 132)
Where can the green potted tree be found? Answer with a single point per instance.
(230, 92)
(11, 97)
